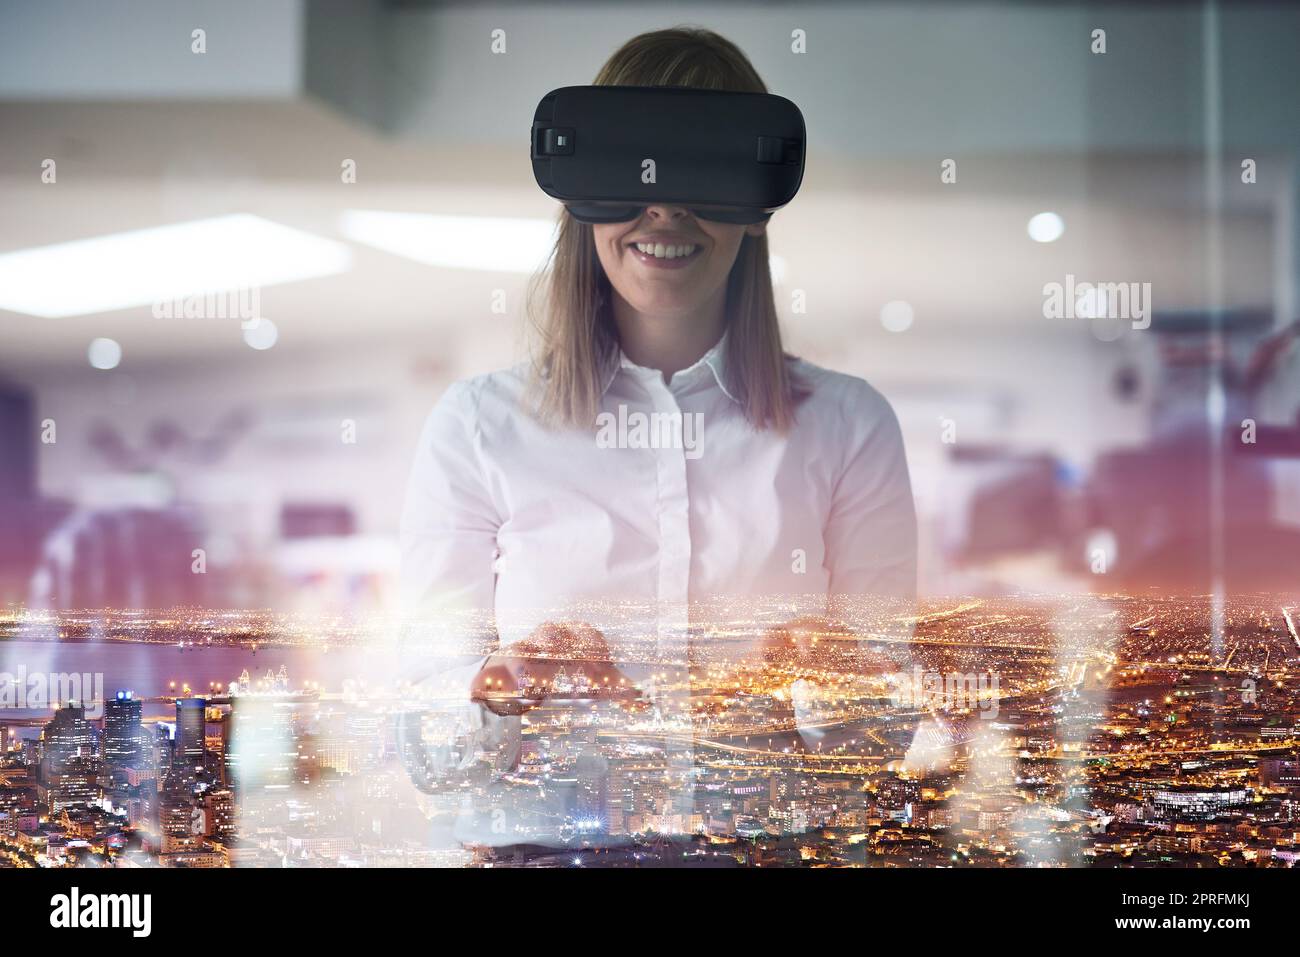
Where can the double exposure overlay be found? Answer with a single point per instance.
(361, 505)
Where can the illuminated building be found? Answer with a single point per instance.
(69, 770)
(179, 820)
(220, 815)
(1280, 772)
(1198, 804)
(190, 718)
(122, 731)
(206, 857)
(593, 792)
(261, 751)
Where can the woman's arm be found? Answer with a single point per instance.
(871, 530)
(869, 540)
(448, 542)
(870, 554)
(448, 534)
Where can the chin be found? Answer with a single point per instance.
(669, 309)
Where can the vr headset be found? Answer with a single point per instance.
(608, 152)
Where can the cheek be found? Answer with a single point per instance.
(602, 232)
(725, 251)
(608, 245)
(726, 242)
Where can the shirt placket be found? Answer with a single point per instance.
(673, 504)
(672, 618)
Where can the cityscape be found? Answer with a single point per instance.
(1019, 731)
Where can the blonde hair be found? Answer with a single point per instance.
(575, 328)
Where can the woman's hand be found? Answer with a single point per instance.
(520, 675)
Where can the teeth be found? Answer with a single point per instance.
(660, 251)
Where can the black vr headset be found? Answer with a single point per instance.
(608, 152)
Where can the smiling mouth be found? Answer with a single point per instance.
(667, 252)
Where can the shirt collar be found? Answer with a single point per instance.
(715, 360)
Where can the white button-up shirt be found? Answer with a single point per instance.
(674, 512)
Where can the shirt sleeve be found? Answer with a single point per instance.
(870, 548)
(870, 535)
(448, 544)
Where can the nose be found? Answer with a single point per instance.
(667, 213)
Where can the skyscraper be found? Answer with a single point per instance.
(68, 771)
(593, 792)
(219, 807)
(261, 751)
(122, 731)
(180, 820)
(190, 719)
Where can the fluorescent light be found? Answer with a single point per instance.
(490, 243)
(164, 263)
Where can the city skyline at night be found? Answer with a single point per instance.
(1113, 730)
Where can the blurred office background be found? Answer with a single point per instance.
(1074, 438)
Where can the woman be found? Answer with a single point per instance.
(780, 496)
